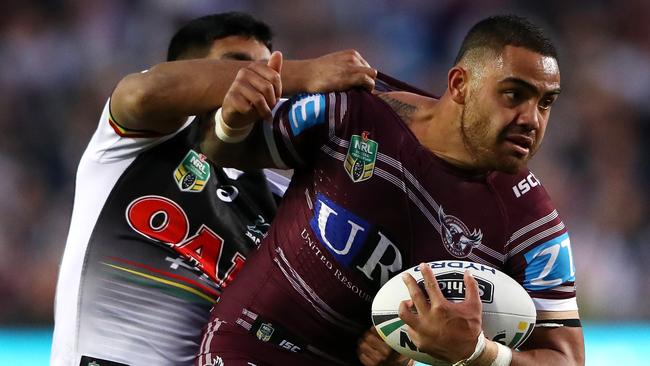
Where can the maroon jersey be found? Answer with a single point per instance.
(367, 201)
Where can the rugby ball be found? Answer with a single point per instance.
(508, 312)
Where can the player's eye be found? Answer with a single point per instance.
(513, 96)
(546, 103)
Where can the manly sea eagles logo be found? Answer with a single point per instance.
(456, 236)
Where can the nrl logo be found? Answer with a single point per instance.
(361, 157)
(265, 332)
(192, 173)
(456, 237)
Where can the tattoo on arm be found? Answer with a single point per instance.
(403, 110)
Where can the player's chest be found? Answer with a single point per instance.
(426, 211)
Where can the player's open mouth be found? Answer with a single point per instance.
(520, 143)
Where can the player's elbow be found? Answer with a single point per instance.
(131, 100)
(139, 98)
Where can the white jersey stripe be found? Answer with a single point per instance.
(492, 253)
(310, 295)
(540, 236)
(335, 154)
(391, 178)
(476, 258)
(533, 225)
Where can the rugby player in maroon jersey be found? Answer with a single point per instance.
(384, 182)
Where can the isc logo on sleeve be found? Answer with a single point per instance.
(306, 111)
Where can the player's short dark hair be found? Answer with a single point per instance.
(200, 33)
(499, 31)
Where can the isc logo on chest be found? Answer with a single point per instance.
(346, 236)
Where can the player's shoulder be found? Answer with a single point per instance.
(521, 187)
(523, 196)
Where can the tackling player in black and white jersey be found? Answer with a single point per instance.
(157, 232)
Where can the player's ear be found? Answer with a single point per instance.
(458, 83)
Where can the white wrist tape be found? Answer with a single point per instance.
(478, 350)
(229, 134)
(504, 356)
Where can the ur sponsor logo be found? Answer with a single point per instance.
(353, 242)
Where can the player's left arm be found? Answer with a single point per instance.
(553, 342)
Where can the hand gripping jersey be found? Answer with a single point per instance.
(367, 201)
(156, 234)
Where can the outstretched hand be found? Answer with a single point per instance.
(439, 327)
(338, 71)
(254, 92)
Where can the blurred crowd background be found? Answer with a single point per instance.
(60, 59)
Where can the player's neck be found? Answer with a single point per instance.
(435, 123)
(438, 129)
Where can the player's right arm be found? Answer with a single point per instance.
(161, 99)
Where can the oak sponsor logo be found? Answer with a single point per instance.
(163, 221)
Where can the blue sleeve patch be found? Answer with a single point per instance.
(549, 265)
(306, 111)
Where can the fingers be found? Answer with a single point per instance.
(472, 295)
(250, 99)
(357, 58)
(419, 300)
(275, 63)
(371, 349)
(254, 92)
(365, 77)
(405, 312)
(431, 284)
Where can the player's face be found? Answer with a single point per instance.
(239, 48)
(505, 116)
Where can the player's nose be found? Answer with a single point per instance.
(529, 116)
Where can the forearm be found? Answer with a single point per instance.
(250, 153)
(171, 91)
(544, 356)
(531, 357)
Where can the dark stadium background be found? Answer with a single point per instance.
(59, 61)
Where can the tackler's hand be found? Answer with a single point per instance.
(339, 71)
(439, 327)
(373, 351)
(253, 94)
